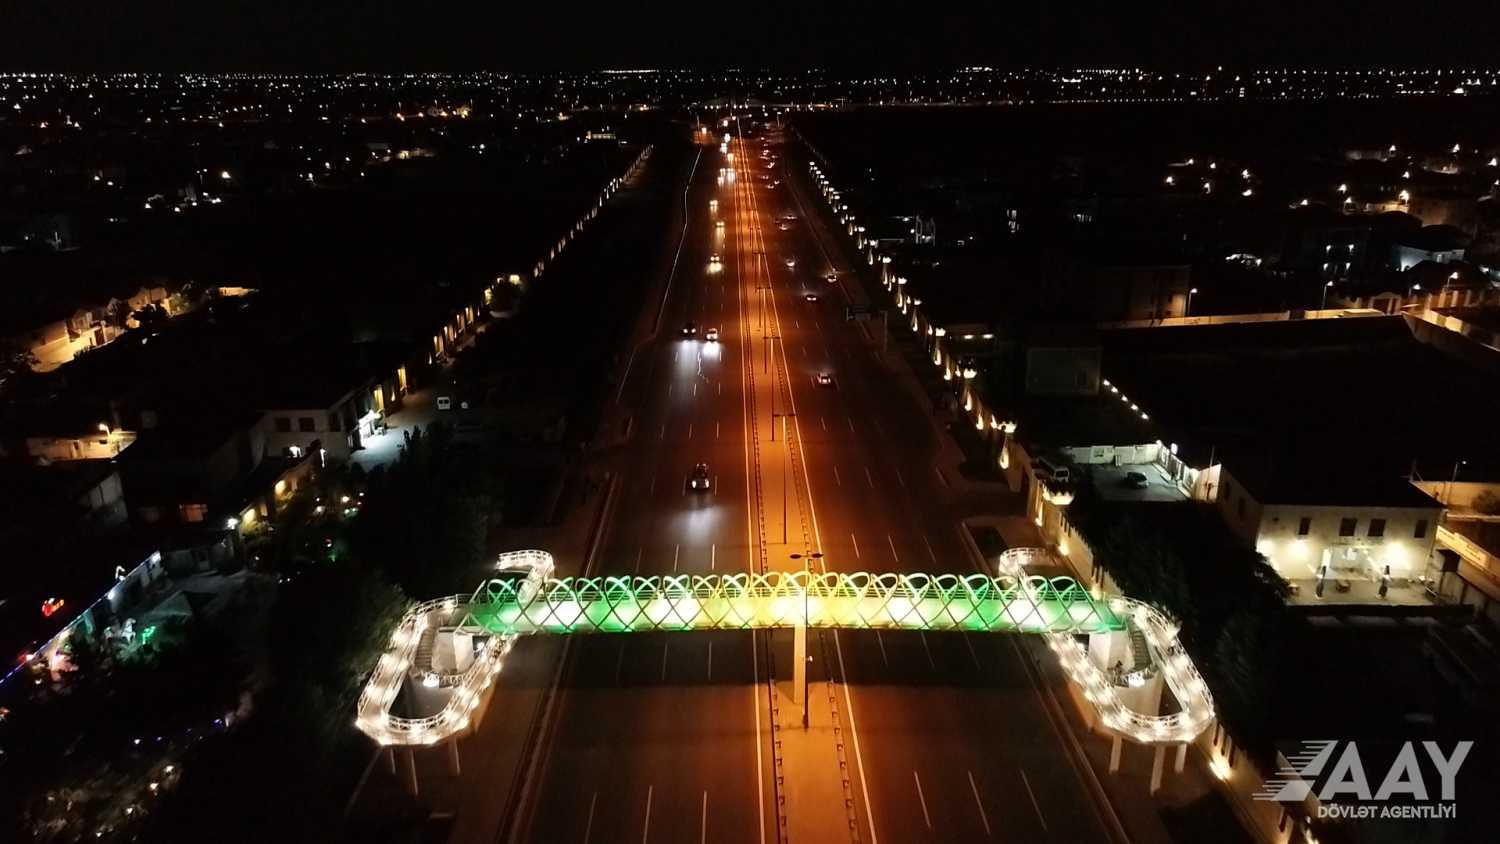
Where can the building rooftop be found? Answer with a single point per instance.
(1331, 393)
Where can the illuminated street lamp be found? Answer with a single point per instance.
(1188, 308)
(1324, 303)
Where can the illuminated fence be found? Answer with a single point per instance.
(746, 601)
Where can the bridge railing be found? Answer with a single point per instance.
(1029, 603)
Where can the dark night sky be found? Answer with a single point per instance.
(842, 34)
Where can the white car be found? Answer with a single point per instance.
(711, 335)
(444, 403)
(791, 263)
(713, 259)
(812, 298)
(824, 379)
(718, 224)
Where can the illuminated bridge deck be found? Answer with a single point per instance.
(746, 601)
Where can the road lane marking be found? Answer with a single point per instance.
(836, 479)
(856, 545)
(972, 654)
(710, 659)
(941, 478)
(928, 651)
(716, 429)
(646, 830)
(713, 555)
(850, 420)
(690, 430)
(703, 824)
(653, 483)
(930, 552)
(880, 640)
(869, 478)
(926, 818)
(719, 388)
(894, 555)
(695, 389)
(1032, 795)
(983, 818)
(824, 422)
(663, 431)
(665, 646)
(676, 551)
(899, 478)
(588, 827)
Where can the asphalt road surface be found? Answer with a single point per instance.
(680, 737)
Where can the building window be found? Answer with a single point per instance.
(1304, 526)
(284, 424)
(1420, 531)
(306, 423)
(1377, 527)
(1346, 526)
(192, 512)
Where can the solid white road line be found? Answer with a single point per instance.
(713, 556)
(638, 553)
(926, 818)
(851, 423)
(703, 824)
(676, 552)
(856, 545)
(983, 818)
(836, 479)
(1032, 795)
(972, 654)
(930, 552)
(710, 659)
(665, 647)
(868, 478)
(646, 829)
(880, 640)
(894, 555)
(588, 827)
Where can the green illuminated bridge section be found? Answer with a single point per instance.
(745, 601)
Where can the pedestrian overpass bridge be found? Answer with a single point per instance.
(453, 647)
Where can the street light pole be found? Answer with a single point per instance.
(1324, 303)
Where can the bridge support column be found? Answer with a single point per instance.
(1157, 764)
(453, 766)
(1114, 754)
(410, 757)
(1181, 757)
(799, 669)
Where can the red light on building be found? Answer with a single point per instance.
(51, 606)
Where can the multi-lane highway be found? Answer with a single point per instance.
(698, 737)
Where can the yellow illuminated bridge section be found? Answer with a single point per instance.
(749, 601)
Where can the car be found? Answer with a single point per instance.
(711, 335)
(699, 480)
(831, 278)
(689, 329)
(784, 226)
(824, 379)
(444, 403)
(812, 298)
(1135, 480)
(718, 224)
(713, 205)
(775, 183)
(714, 258)
(791, 263)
